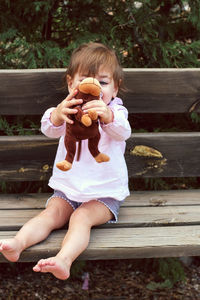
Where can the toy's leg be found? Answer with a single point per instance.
(93, 147)
(66, 164)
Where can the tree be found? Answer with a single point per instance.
(145, 33)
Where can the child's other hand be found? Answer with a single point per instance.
(61, 112)
(104, 112)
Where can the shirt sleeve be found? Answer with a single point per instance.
(119, 129)
(48, 128)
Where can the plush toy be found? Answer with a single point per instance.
(85, 126)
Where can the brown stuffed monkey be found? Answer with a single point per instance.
(85, 126)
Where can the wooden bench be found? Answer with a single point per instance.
(162, 223)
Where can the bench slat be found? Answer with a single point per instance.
(161, 90)
(117, 243)
(137, 198)
(42, 88)
(181, 151)
(163, 198)
(128, 216)
(149, 90)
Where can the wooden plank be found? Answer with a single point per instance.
(20, 160)
(128, 216)
(149, 90)
(126, 243)
(154, 216)
(23, 201)
(163, 198)
(181, 151)
(14, 219)
(180, 155)
(30, 92)
(137, 198)
(162, 90)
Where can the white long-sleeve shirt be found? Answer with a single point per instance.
(87, 179)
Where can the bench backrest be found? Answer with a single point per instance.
(163, 154)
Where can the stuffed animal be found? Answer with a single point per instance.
(85, 126)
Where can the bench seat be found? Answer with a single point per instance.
(151, 223)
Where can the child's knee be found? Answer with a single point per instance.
(54, 216)
(58, 207)
(49, 213)
(81, 216)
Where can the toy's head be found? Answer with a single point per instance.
(89, 89)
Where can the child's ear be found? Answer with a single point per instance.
(115, 91)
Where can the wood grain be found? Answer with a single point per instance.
(162, 90)
(118, 243)
(181, 151)
(128, 217)
(31, 92)
(136, 199)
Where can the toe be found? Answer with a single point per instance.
(36, 268)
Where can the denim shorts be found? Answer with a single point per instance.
(112, 204)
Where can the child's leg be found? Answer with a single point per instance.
(77, 238)
(55, 215)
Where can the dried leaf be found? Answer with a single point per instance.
(146, 151)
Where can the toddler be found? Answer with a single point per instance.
(90, 193)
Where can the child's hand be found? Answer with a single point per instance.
(104, 112)
(59, 114)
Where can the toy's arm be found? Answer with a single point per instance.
(93, 115)
(85, 119)
(79, 114)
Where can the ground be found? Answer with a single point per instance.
(108, 280)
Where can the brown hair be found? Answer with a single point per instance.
(88, 58)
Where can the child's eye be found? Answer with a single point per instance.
(103, 83)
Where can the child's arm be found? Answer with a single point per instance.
(65, 108)
(119, 129)
(54, 119)
(48, 128)
(113, 118)
(103, 111)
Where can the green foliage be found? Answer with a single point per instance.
(77, 269)
(195, 117)
(18, 53)
(157, 33)
(18, 126)
(164, 183)
(154, 286)
(24, 187)
(155, 184)
(171, 271)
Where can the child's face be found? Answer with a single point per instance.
(108, 88)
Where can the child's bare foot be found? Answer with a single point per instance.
(55, 265)
(10, 249)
